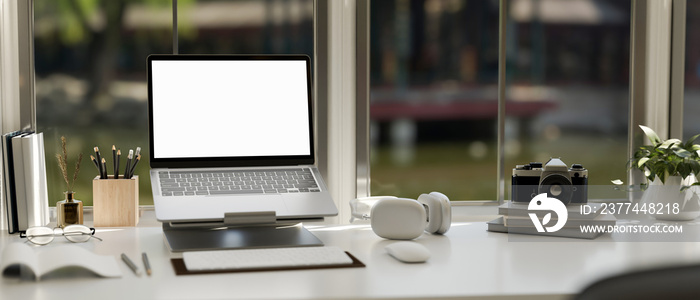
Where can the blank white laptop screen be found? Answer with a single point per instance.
(219, 108)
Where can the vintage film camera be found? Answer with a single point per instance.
(569, 185)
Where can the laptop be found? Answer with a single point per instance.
(232, 134)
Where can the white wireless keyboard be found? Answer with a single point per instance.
(264, 258)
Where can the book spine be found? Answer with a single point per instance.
(4, 212)
(43, 186)
(35, 180)
(20, 191)
(9, 182)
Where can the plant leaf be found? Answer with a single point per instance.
(694, 166)
(669, 143)
(641, 162)
(617, 182)
(682, 152)
(653, 137)
(683, 169)
(690, 141)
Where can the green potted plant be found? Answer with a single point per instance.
(670, 167)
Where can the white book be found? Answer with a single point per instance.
(3, 203)
(7, 206)
(520, 209)
(10, 197)
(498, 225)
(20, 191)
(44, 260)
(35, 180)
(600, 220)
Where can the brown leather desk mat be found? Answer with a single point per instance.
(180, 269)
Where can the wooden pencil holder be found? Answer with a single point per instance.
(115, 202)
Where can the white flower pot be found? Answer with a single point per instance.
(669, 203)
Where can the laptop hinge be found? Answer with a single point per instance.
(250, 218)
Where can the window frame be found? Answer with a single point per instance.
(18, 107)
(341, 46)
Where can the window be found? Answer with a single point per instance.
(90, 62)
(90, 59)
(691, 104)
(568, 93)
(433, 98)
(457, 62)
(433, 103)
(245, 27)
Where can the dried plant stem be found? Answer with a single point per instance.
(77, 170)
(63, 165)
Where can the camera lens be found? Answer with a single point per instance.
(557, 186)
(555, 190)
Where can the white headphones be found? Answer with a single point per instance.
(406, 219)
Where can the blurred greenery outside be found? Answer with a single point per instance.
(90, 60)
(91, 83)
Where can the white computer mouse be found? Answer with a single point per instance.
(408, 252)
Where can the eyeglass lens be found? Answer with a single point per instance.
(73, 233)
(40, 235)
(77, 234)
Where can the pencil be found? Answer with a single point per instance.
(104, 169)
(116, 169)
(128, 163)
(133, 166)
(146, 264)
(97, 165)
(99, 159)
(114, 161)
(131, 265)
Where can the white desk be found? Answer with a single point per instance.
(468, 262)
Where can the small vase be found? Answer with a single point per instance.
(70, 211)
(664, 197)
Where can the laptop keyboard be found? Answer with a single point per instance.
(222, 182)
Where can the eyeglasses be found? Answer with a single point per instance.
(45, 235)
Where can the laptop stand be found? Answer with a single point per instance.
(238, 231)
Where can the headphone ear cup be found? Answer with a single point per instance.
(439, 212)
(446, 211)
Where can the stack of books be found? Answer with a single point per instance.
(516, 219)
(25, 194)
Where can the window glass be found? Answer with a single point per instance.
(433, 106)
(90, 60)
(568, 93)
(691, 103)
(433, 98)
(246, 27)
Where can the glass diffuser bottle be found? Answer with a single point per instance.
(70, 211)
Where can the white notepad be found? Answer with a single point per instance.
(265, 258)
